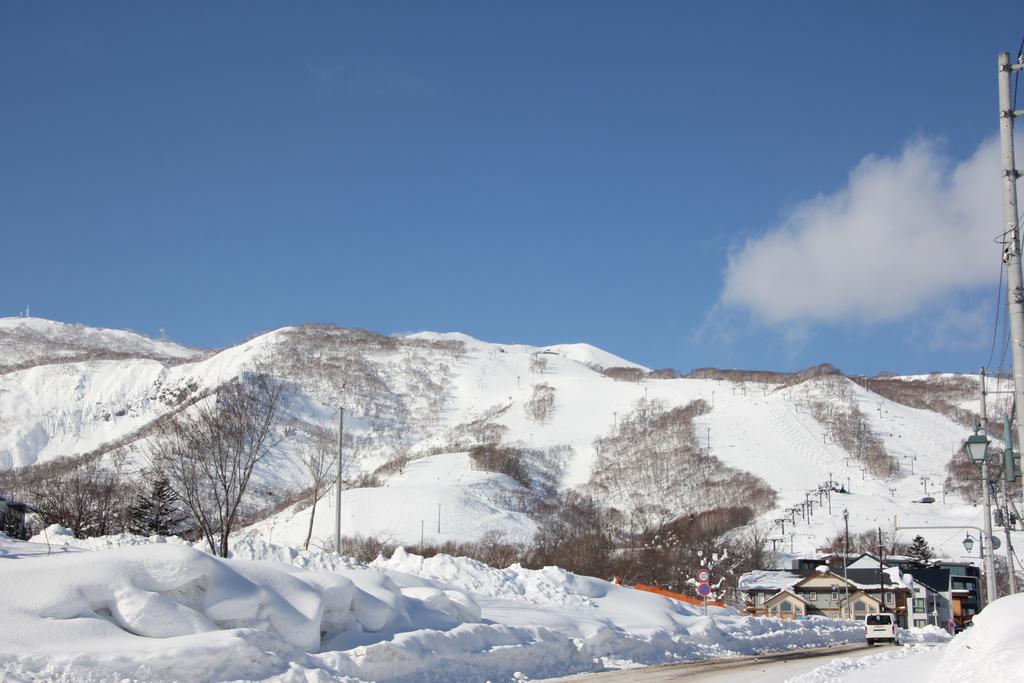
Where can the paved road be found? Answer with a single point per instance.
(761, 668)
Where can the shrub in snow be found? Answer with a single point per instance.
(500, 459)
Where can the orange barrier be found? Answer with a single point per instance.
(676, 596)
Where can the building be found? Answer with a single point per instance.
(786, 595)
(12, 518)
(928, 606)
(816, 586)
(955, 592)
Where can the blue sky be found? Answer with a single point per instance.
(670, 181)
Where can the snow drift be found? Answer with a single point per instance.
(992, 649)
(154, 610)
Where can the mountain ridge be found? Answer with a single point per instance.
(419, 395)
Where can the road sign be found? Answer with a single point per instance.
(704, 589)
(703, 575)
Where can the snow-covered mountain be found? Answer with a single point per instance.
(579, 417)
(25, 342)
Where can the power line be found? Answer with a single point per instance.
(1016, 76)
(999, 314)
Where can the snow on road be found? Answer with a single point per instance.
(908, 664)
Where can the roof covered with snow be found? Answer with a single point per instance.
(768, 580)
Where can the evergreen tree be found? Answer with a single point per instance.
(920, 550)
(156, 512)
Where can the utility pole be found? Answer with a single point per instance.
(337, 485)
(846, 555)
(1011, 236)
(1010, 566)
(986, 504)
(881, 573)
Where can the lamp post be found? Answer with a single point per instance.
(977, 449)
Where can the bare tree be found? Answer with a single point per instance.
(320, 460)
(208, 452)
(538, 364)
(541, 404)
(83, 496)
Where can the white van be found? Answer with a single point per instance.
(880, 627)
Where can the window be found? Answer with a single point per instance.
(759, 598)
(785, 607)
(920, 623)
(890, 599)
(812, 596)
(919, 605)
(859, 607)
(879, 620)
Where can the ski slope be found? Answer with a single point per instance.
(419, 395)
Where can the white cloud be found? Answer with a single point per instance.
(905, 232)
(960, 329)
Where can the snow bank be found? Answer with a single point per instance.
(925, 635)
(156, 609)
(550, 586)
(162, 606)
(613, 625)
(992, 649)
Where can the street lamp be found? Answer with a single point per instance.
(968, 543)
(977, 449)
(977, 446)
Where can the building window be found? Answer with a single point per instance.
(812, 596)
(785, 607)
(759, 598)
(890, 599)
(859, 607)
(919, 605)
(920, 623)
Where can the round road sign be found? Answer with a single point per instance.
(704, 589)
(703, 575)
